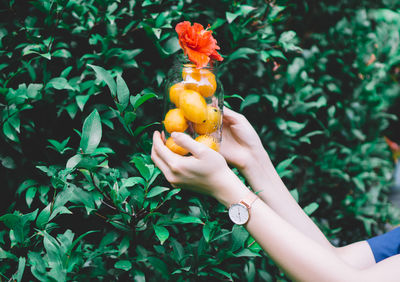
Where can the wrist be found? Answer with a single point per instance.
(230, 189)
(257, 165)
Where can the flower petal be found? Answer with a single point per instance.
(200, 59)
(182, 27)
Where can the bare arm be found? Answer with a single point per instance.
(242, 148)
(303, 259)
(300, 257)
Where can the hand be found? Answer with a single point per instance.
(205, 171)
(240, 145)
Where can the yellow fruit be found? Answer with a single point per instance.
(211, 123)
(200, 80)
(209, 141)
(175, 147)
(190, 70)
(175, 121)
(193, 106)
(175, 91)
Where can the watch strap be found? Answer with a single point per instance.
(248, 200)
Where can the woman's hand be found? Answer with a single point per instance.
(205, 171)
(241, 146)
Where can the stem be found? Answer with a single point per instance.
(5, 276)
(108, 205)
(97, 187)
(108, 198)
(109, 220)
(59, 15)
(52, 201)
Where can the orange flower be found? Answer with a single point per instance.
(198, 43)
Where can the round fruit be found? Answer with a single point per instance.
(211, 123)
(175, 91)
(175, 121)
(200, 80)
(193, 106)
(190, 71)
(209, 141)
(175, 147)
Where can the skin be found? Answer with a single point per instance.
(276, 221)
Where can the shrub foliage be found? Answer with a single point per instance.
(81, 90)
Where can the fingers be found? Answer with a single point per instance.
(161, 150)
(232, 117)
(159, 162)
(187, 142)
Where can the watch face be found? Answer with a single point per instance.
(239, 214)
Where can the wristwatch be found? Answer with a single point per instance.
(239, 212)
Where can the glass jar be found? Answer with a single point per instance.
(193, 104)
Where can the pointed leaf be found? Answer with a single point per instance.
(91, 133)
(104, 75)
(161, 233)
(122, 92)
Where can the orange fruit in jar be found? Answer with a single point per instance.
(200, 80)
(190, 71)
(209, 141)
(211, 123)
(175, 91)
(175, 121)
(193, 106)
(170, 143)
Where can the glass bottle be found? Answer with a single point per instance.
(193, 104)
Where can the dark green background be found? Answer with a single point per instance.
(96, 69)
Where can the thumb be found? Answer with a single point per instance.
(231, 116)
(187, 142)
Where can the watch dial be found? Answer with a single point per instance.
(239, 214)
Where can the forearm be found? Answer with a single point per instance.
(299, 257)
(264, 179)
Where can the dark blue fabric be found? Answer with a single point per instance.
(385, 245)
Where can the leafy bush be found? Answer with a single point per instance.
(81, 92)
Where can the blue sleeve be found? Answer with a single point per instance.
(385, 245)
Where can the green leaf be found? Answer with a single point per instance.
(122, 92)
(105, 76)
(246, 253)
(11, 220)
(142, 167)
(123, 264)
(33, 90)
(222, 272)
(281, 167)
(230, 17)
(249, 100)
(239, 237)
(157, 190)
(20, 271)
(74, 161)
(91, 133)
(81, 101)
(295, 194)
(241, 53)
(309, 209)
(30, 194)
(132, 181)
(141, 128)
(59, 83)
(273, 99)
(43, 217)
(188, 219)
(208, 230)
(138, 100)
(161, 233)
(10, 132)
